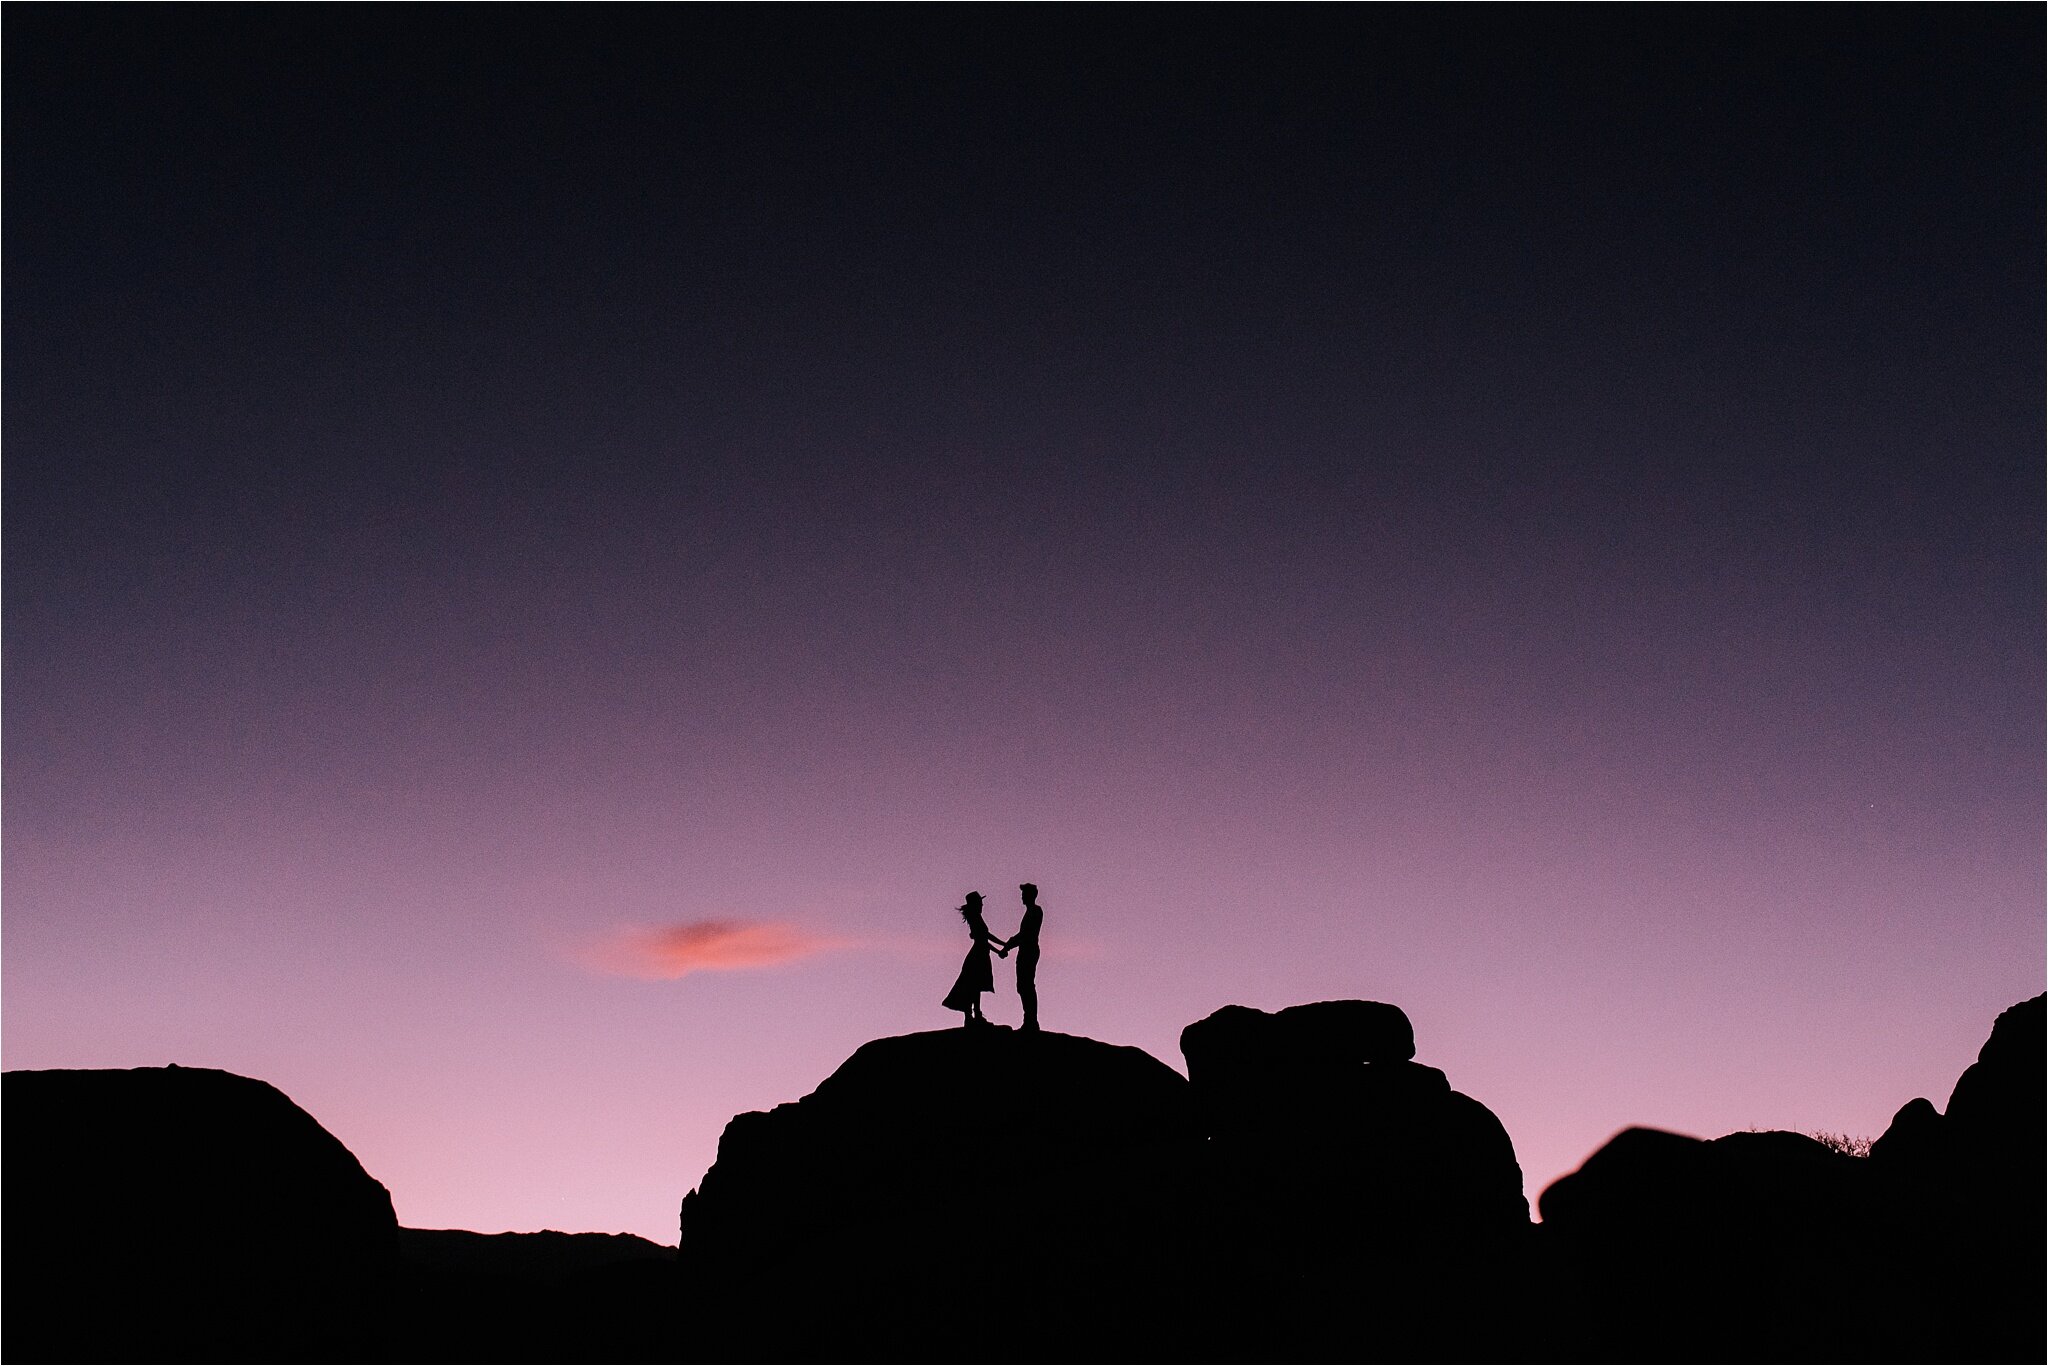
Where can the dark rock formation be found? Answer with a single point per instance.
(1966, 1195)
(1916, 1136)
(1996, 1106)
(1312, 1194)
(1237, 1039)
(1769, 1245)
(967, 1193)
(174, 1213)
(1730, 1244)
(977, 1192)
(1335, 1162)
(546, 1258)
(1319, 1108)
(1639, 1182)
(544, 1296)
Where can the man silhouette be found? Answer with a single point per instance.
(1025, 941)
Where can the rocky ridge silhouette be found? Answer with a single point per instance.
(935, 1174)
(1308, 1191)
(181, 1213)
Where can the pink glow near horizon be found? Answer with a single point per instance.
(1577, 966)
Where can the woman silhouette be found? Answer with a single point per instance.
(977, 974)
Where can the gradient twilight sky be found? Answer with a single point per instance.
(545, 549)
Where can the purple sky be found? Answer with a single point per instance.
(1538, 521)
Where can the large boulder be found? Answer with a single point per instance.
(1965, 1193)
(1337, 1165)
(1679, 1247)
(1998, 1101)
(1916, 1138)
(1772, 1245)
(1237, 1041)
(1318, 1112)
(946, 1192)
(1641, 1183)
(175, 1213)
(1997, 1118)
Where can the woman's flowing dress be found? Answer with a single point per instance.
(977, 974)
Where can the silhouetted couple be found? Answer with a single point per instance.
(977, 973)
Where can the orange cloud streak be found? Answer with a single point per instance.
(666, 952)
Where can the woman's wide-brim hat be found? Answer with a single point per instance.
(974, 898)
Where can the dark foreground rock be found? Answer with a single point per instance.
(1321, 1112)
(543, 1296)
(172, 1213)
(1996, 1107)
(187, 1214)
(967, 1194)
(1965, 1267)
(1675, 1248)
(547, 1258)
(1771, 1246)
(1339, 1173)
(1313, 1194)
